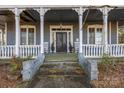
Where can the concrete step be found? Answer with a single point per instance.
(61, 68)
(60, 75)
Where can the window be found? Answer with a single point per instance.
(98, 36)
(91, 36)
(94, 34)
(28, 35)
(121, 34)
(2, 37)
(23, 36)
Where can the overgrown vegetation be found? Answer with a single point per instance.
(16, 64)
(106, 63)
(110, 73)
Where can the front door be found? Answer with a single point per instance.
(61, 41)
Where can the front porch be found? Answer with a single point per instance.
(37, 30)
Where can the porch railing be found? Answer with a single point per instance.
(91, 50)
(114, 50)
(29, 50)
(7, 51)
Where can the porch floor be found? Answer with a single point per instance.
(56, 57)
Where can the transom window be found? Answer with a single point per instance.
(28, 35)
(94, 34)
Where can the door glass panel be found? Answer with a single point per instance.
(23, 36)
(61, 41)
(91, 35)
(0, 37)
(31, 36)
(64, 40)
(98, 37)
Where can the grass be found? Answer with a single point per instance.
(61, 57)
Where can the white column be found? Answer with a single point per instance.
(42, 13)
(80, 32)
(105, 11)
(105, 24)
(42, 32)
(17, 31)
(80, 12)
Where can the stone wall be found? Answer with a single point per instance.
(90, 67)
(31, 67)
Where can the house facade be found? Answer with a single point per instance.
(88, 30)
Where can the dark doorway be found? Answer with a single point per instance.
(61, 41)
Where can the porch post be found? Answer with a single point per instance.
(80, 12)
(42, 12)
(17, 31)
(41, 30)
(105, 24)
(105, 11)
(80, 30)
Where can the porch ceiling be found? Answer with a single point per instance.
(64, 15)
(72, 16)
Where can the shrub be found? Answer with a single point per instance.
(15, 64)
(106, 62)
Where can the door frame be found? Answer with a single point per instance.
(95, 27)
(53, 34)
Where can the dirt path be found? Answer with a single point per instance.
(60, 75)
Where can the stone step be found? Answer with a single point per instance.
(60, 81)
(69, 61)
(61, 65)
(60, 73)
(61, 68)
(64, 57)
